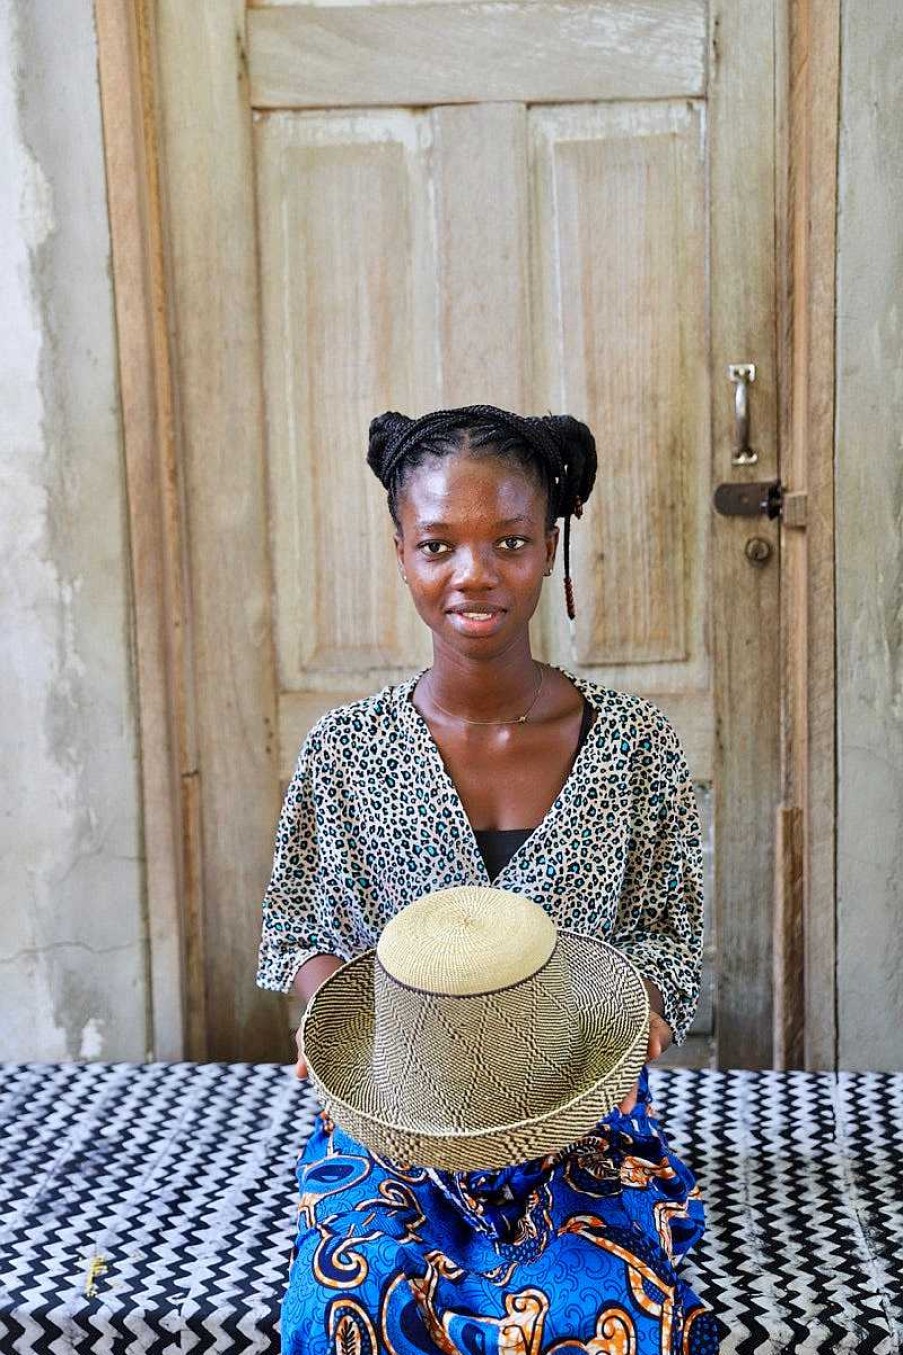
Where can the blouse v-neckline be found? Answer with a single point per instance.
(468, 836)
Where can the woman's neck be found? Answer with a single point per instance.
(483, 689)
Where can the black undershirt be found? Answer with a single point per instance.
(498, 845)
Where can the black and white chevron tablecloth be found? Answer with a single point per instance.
(150, 1208)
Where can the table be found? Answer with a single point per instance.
(150, 1207)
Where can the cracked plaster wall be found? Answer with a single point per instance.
(72, 949)
(869, 491)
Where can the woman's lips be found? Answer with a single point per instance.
(476, 620)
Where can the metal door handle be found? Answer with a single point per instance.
(743, 374)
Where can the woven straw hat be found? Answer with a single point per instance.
(476, 1034)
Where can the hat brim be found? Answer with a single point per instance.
(612, 1015)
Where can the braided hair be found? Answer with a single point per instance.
(557, 448)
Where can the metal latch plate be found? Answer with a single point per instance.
(750, 499)
(762, 498)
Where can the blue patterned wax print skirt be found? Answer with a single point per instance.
(571, 1252)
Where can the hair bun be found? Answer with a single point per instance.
(385, 430)
(578, 451)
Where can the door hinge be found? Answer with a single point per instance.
(762, 498)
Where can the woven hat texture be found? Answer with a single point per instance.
(476, 1034)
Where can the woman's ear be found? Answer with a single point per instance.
(551, 547)
(399, 555)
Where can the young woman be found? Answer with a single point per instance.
(490, 767)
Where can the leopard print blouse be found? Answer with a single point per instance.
(372, 819)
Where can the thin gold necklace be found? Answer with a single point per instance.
(518, 720)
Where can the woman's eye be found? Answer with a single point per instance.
(514, 542)
(433, 548)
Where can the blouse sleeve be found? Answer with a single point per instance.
(659, 918)
(301, 908)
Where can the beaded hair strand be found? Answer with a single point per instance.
(560, 447)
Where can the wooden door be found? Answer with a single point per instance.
(544, 206)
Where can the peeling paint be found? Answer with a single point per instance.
(92, 1040)
(36, 217)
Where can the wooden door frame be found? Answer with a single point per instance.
(159, 618)
(805, 973)
(171, 653)
(186, 304)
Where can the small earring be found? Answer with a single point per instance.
(404, 577)
(549, 571)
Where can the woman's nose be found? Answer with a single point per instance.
(475, 568)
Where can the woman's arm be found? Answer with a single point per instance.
(312, 973)
(660, 915)
(660, 1036)
(659, 921)
(660, 1033)
(305, 983)
(306, 917)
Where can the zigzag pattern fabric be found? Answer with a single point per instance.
(152, 1208)
(802, 1175)
(146, 1208)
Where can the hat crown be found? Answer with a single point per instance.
(466, 941)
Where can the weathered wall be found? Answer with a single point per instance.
(72, 956)
(869, 496)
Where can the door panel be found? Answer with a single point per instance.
(620, 273)
(335, 55)
(483, 243)
(348, 270)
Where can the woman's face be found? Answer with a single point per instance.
(474, 545)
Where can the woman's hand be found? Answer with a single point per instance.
(660, 1036)
(301, 1065)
